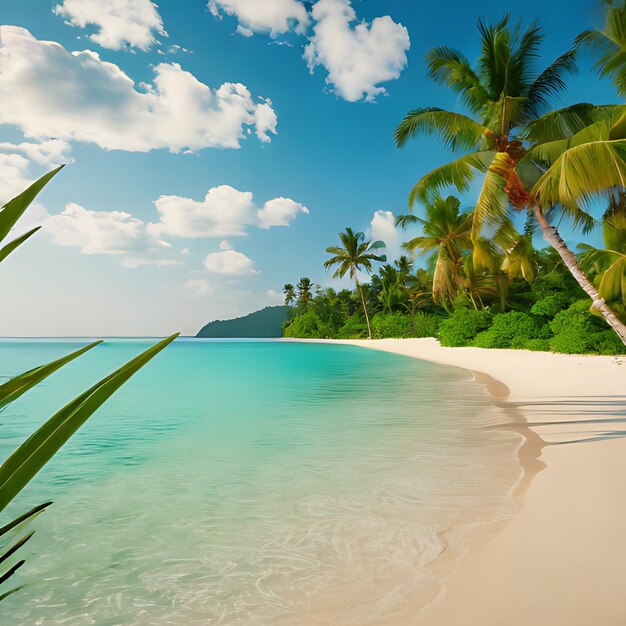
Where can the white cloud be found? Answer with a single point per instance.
(244, 32)
(229, 262)
(383, 228)
(273, 16)
(199, 286)
(224, 212)
(265, 121)
(98, 103)
(110, 232)
(279, 212)
(46, 152)
(357, 56)
(120, 23)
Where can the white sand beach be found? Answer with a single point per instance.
(562, 559)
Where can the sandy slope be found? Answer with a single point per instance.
(562, 559)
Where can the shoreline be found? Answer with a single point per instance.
(562, 557)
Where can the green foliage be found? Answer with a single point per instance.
(354, 327)
(538, 345)
(307, 325)
(559, 162)
(577, 315)
(18, 385)
(577, 331)
(394, 325)
(509, 330)
(425, 324)
(356, 253)
(14, 209)
(550, 305)
(609, 343)
(463, 326)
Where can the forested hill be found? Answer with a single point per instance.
(263, 324)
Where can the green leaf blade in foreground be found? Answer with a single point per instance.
(14, 209)
(26, 517)
(14, 388)
(16, 243)
(17, 471)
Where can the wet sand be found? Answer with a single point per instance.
(562, 559)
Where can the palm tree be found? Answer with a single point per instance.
(445, 240)
(330, 308)
(290, 294)
(503, 93)
(516, 150)
(393, 294)
(353, 255)
(404, 265)
(305, 294)
(585, 157)
(609, 264)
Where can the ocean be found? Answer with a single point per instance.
(248, 483)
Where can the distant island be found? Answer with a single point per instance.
(264, 324)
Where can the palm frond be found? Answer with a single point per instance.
(18, 385)
(493, 201)
(550, 82)
(609, 45)
(444, 284)
(458, 174)
(425, 245)
(450, 67)
(550, 151)
(14, 209)
(567, 122)
(485, 255)
(16, 243)
(402, 221)
(615, 232)
(457, 131)
(520, 260)
(581, 173)
(495, 56)
(613, 283)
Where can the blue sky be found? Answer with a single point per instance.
(139, 118)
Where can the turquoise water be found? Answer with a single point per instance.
(245, 483)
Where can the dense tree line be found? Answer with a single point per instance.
(483, 280)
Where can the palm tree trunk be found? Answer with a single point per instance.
(367, 317)
(552, 236)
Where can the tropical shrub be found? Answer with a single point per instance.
(509, 330)
(551, 304)
(29, 458)
(577, 331)
(609, 343)
(394, 325)
(538, 345)
(353, 328)
(308, 324)
(425, 325)
(463, 326)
